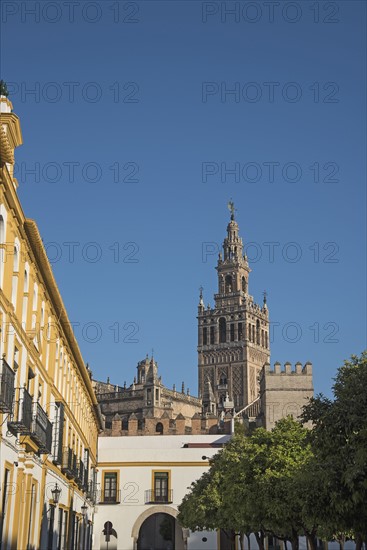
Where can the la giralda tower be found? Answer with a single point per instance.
(233, 336)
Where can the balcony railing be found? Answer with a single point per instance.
(69, 463)
(91, 491)
(79, 478)
(109, 497)
(7, 376)
(155, 497)
(41, 430)
(58, 434)
(21, 421)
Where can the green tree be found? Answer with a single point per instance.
(202, 508)
(339, 441)
(255, 485)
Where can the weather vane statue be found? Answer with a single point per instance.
(3, 88)
(231, 208)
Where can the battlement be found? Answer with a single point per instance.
(284, 390)
(287, 369)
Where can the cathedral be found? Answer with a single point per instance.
(235, 378)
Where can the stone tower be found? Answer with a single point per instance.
(233, 336)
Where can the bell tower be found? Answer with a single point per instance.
(233, 336)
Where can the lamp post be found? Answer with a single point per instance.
(56, 492)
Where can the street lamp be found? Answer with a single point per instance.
(56, 492)
(84, 509)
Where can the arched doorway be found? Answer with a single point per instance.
(158, 532)
(180, 540)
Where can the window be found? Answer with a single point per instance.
(58, 432)
(244, 285)
(16, 358)
(223, 380)
(15, 275)
(159, 428)
(32, 511)
(222, 330)
(65, 537)
(205, 336)
(25, 288)
(16, 256)
(240, 331)
(86, 467)
(258, 332)
(35, 297)
(212, 335)
(4, 501)
(161, 489)
(228, 283)
(30, 380)
(2, 230)
(232, 332)
(50, 528)
(60, 530)
(2, 249)
(109, 487)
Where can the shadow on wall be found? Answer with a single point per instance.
(108, 539)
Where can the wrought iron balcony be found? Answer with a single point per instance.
(159, 497)
(41, 430)
(7, 376)
(22, 417)
(69, 463)
(79, 478)
(91, 491)
(57, 435)
(109, 496)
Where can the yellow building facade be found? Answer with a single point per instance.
(49, 415)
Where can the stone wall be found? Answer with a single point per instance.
(284, 391)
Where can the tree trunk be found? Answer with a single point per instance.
(295, 542)
(359, 542)
(341, 541)
(260, 540)
(312, 543)
(248, 541)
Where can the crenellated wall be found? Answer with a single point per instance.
(284, 391)
(198, 424)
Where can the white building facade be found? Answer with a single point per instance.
(142, 481)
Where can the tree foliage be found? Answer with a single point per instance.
(293, 481)
(339, 441)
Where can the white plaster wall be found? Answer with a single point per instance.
(143, 455)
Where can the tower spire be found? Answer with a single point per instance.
(231, 208)
(233, 336)
(3, 89)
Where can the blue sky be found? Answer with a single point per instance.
(131, 132)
